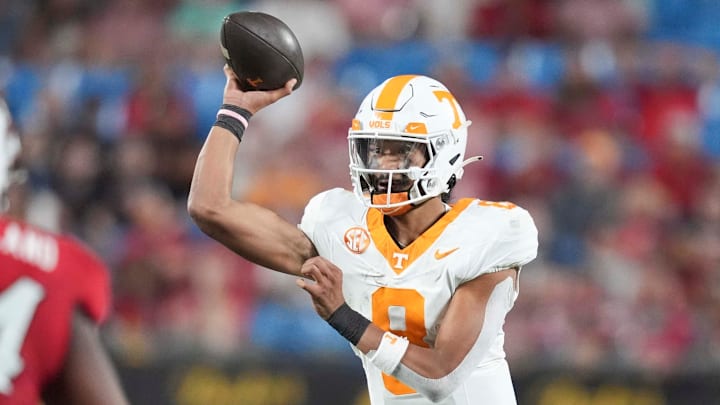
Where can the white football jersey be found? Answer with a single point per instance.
(407, 290)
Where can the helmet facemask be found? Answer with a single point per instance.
(406, 144)
(395, 170)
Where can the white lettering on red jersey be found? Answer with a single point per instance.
(44, 278)
(30, 246)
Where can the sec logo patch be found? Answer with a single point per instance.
(356, 239)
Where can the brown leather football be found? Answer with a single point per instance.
(262, 50)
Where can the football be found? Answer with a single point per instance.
(262, 50)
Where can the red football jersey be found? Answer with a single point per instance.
(43, 279)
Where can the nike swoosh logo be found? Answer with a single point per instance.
(416, 128)
(441, 255)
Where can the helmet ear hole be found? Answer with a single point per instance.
(451, 182)
(454, 159)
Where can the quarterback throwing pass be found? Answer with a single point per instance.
(418, 284)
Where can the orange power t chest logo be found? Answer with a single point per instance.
(356, 239)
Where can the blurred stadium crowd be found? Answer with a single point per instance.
(601, 117)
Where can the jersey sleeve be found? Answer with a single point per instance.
(321, 212)
(313, 215)
(93, 293)
(514, 244)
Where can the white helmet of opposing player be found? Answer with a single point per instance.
(9, 148)
(407, 143)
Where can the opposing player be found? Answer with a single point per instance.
(419, 287)
(53, 292)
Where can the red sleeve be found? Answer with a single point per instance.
(53, 276)
(92, 284)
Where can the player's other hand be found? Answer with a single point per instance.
(326, 290)
(252, 101)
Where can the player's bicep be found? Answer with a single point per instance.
(471, 326)
(263, 237)
(468, 314)
(88, 376)
(470, 302)
(254, 232)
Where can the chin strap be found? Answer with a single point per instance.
(403, 196)
(394, 198)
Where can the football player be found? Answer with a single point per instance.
(53, 294)
(419, 287)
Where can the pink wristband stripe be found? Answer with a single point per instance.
(233, 114)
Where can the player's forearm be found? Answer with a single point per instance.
(428, 362)
(460, 346)
(86, 361)
(453, 370)
(253, 232)
(210, 190)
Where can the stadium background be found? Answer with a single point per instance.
(602, 117)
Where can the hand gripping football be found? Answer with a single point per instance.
(262, 50)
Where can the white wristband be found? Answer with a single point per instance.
(390, 352)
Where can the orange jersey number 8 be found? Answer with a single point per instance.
(409, 305)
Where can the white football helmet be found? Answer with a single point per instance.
(407, 143)
(9, 149)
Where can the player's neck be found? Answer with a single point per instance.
(407, 227)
